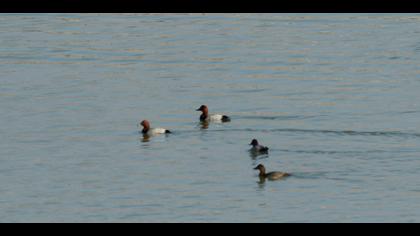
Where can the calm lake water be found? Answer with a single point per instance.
(336, 97)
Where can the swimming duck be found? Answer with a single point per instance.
(256, 147)
(275, 175)
(213, 117)
(152, 131)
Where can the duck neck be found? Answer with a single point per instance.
(145, 129)
(262, 172)
(204, 115)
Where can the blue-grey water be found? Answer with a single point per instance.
(336, 97)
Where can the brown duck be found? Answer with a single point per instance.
(275, 175)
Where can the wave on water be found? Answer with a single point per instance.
(323, 152)
(276, 117)
(333, 132)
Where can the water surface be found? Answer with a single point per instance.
(335, 97)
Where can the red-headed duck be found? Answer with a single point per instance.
(152, 131)
(256, 147)
(275, 175)
(205, 116)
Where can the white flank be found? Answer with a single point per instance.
(156, 131)
(216, 117)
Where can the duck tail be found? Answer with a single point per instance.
(225, 118)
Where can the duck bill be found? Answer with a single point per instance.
(256, 168)
(198, 109)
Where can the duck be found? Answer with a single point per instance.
(152, 131)
(213, 117)
(256, 147)
(275, 175)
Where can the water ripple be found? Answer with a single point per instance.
(334, 132)
(330, 152)
(291, 117)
